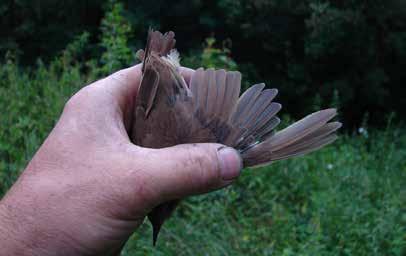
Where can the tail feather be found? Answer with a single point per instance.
(157, 42)
(160, 43)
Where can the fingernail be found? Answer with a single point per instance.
(230, 163)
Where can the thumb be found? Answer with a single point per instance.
(188, 169)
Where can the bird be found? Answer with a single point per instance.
(209, 109)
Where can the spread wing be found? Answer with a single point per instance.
(247, 123)
(236, 122)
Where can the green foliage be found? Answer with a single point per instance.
(314, 48)
(211, 57)
(74, 50)
(32, 102)
(308, 49)
(114, 39)
(42, 28)
(217, 58)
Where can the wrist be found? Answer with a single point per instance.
(20, 234)
(9, 242)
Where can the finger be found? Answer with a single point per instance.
(112, 97)
(187, 169)
(124, 84)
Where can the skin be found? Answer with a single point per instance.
(88, 188)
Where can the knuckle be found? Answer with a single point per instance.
(204, 163)
(144, 192)
(119, 76)
(78, 99)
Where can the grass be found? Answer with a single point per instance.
(347, 199)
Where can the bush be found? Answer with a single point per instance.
(32, 102)
(309, 49)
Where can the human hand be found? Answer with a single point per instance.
(88, 187)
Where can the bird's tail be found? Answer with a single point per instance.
(157, 42)
(309, 134)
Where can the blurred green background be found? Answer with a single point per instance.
(347, 199)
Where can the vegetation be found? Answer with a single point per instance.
(347, 199)
(310, 49)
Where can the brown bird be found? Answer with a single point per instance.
(169, 112)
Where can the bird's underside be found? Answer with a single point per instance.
(210, 109)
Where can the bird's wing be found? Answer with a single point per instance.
(236, 122)
(216, 114)
(247, 123)
(255, 116)
(148, 89)
(160, 45)
(215, 94)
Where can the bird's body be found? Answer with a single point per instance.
(165, 108)
(169, 111)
